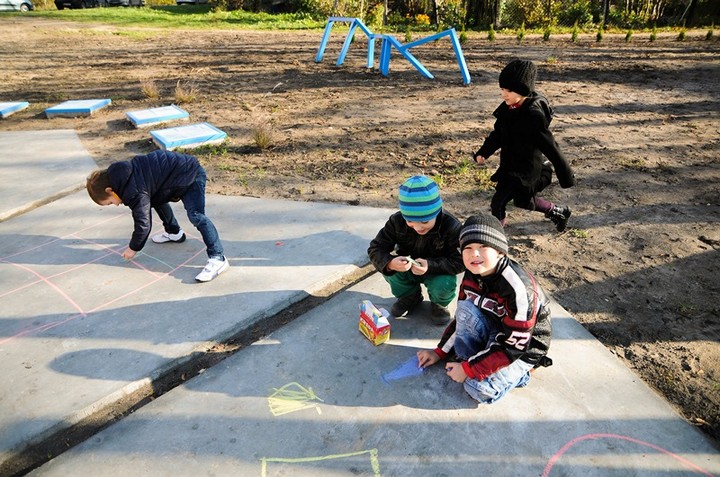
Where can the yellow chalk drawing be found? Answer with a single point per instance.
(286, 400)
(374, 462)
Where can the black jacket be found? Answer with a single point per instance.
(148, 181)
(513, 298)
(440, 246)
(523, 137)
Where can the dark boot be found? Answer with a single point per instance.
(559, 216)
(439, 314)
(406, 304)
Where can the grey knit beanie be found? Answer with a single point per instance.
(485, 230)
(519, 76)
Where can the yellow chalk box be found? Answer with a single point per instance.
(374, 323)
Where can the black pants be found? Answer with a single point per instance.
(523, 196)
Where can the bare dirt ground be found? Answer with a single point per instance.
(640, 121)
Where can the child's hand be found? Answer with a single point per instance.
(479, 159)
(456, 372)
(421, 268)
(399, 264)
(128, 254)
(427, 357)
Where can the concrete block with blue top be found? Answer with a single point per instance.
(76, 108)
(153, 116)
(11, 107)
(190, 136)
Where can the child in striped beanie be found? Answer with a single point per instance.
(418, 246)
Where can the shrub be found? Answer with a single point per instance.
(547, 32)
(491, 33)
(577, 12)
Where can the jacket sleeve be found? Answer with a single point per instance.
(381, 247)
(142, 218)
(549, 147)
(450, 263)
(492, 141)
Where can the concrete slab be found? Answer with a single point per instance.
(81, 329)
(155, 116)
(40, 166)
(188, 137)
(77, 108)
(586, 416)
(9, 108)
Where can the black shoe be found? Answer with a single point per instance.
(559, 216)
(439, 314)
(405, 304)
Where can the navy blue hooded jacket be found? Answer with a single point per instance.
(148, 181)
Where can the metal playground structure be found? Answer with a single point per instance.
(387, 43)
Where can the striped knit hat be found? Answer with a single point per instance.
(419, 199)
(485, 230)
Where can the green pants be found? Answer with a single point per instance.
(442, 289)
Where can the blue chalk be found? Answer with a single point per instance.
(408, 369)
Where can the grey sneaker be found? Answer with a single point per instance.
(166, 237)
(439, 314)
(406, 304)
(214, 267)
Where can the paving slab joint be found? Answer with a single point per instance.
(85, 424)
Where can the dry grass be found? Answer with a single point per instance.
(149, 89)
(185, 92)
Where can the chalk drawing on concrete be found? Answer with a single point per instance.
(291, 398)
(554, 459)
(372, 460)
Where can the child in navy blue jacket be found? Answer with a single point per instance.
(152, 181)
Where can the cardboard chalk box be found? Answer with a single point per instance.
(374, 323)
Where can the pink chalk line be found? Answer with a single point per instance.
(81, 313)
(567, 446)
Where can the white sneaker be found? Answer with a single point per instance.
(166, 237)
(213, 268)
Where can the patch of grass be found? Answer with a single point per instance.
(185, 92)
(178, 17)
(149, 89)
(636, 163)
(263, 134)
(578, 233)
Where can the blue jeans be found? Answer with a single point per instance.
(194, 202)
(474, 332)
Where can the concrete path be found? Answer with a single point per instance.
(310, 400)
(85, 335)
(82, 329)
(39, 166)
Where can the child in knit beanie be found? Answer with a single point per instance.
(501, 329)
(522, 135)
(418, 246)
